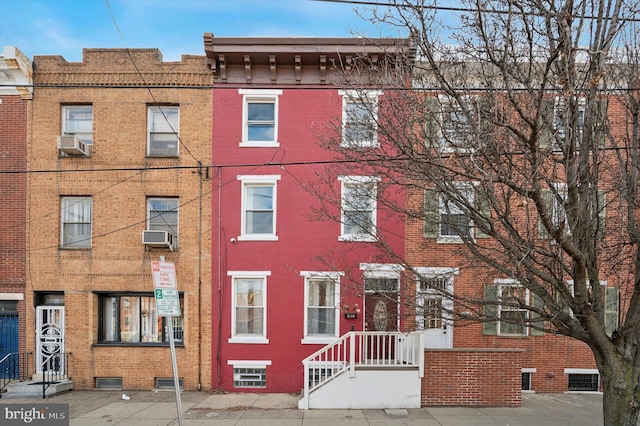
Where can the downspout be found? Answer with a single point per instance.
(200, 175)
(219, 243)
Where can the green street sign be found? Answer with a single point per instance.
(167, 302)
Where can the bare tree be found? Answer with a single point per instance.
(523, 117)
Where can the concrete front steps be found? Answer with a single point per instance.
(33, 388)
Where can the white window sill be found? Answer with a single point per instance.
(259, 144)
(363, 144)
(249, 340)
(318, 340)
(450, 240)
(258, 237)
(359, 238)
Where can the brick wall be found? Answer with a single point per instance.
(119, 180)
(472, 377)
(13, 208)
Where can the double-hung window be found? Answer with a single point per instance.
(322, 297)
(258, 220)
(454, 222)
(75, 221)
(162, 215)
(77, 120)
(563, 118)
(260, 117)
(249, 307)
(130, 318)
(163, 131)
(457, 126)
(512, 315)
(359, 118)
(359, 204)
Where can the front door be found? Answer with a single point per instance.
(8, 337)
(50, 339)
(381, 314)
(434, 312)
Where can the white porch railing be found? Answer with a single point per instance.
(362, 349)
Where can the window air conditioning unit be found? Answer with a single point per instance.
(72, 145)
(152, 238)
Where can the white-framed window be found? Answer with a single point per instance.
(359, 118)
(454, 222)
(512, 316)
(249, 306)
(260, 117)
(75, 219)
(162, 215)
(561, 115)
(433, 306)
(583, 379)
(259, 201)
(359, 205)
(163, 129)
(459, 120)
(527, 375)
(77, 120)
(249, 373)
(322, 313)
(132, 318)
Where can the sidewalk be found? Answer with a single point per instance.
(200, 408)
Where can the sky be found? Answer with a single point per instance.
(176, 27)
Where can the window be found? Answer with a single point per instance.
(162, 215)
(76, 222)
(513, 318)
(249, 374)
(561, 112)
(583, 379)
(526, 382)
(453, 220)
(133, 319)
(457, 128)
(260, 117)
(430, 301)
(163, 127)
(359, 118)
(249, 303)
(322, 298)
(77, 120)
(358, 208)
(258, 220)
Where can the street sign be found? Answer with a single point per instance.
(167, 302)
(164, 274)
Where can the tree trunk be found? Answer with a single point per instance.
(620, 399)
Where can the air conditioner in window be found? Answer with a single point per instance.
(152, 238)
(72, 145)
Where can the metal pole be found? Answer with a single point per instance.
(174, 365)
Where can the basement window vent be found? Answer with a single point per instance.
(583, 382)
(108, 382)
(250, 377)
(167, 383)
(526, 381)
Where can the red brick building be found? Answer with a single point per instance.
(16, 93)
(288, 266)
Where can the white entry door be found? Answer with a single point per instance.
(50, 339)
(434, 311)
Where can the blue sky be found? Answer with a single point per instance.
(65, 27)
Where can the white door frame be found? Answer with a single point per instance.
(49, 339)
(437, 338)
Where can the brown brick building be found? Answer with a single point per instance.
(15, 99)
(117, 148)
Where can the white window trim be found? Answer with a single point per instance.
(530, 371)
(259, 95)
(359, 180)
(372, 97)
(62, 223)
(150, 108)
(64, 121)
(335, 277)
(500, 282)
(245, 338)
(455, 239)
(249, 363)
(443, 101)
(267, 180)
(177, 210)
(557, 106)
(422, 296)
(568, 371)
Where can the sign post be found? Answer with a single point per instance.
(168, 306)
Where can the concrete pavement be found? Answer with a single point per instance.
(199, 408)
